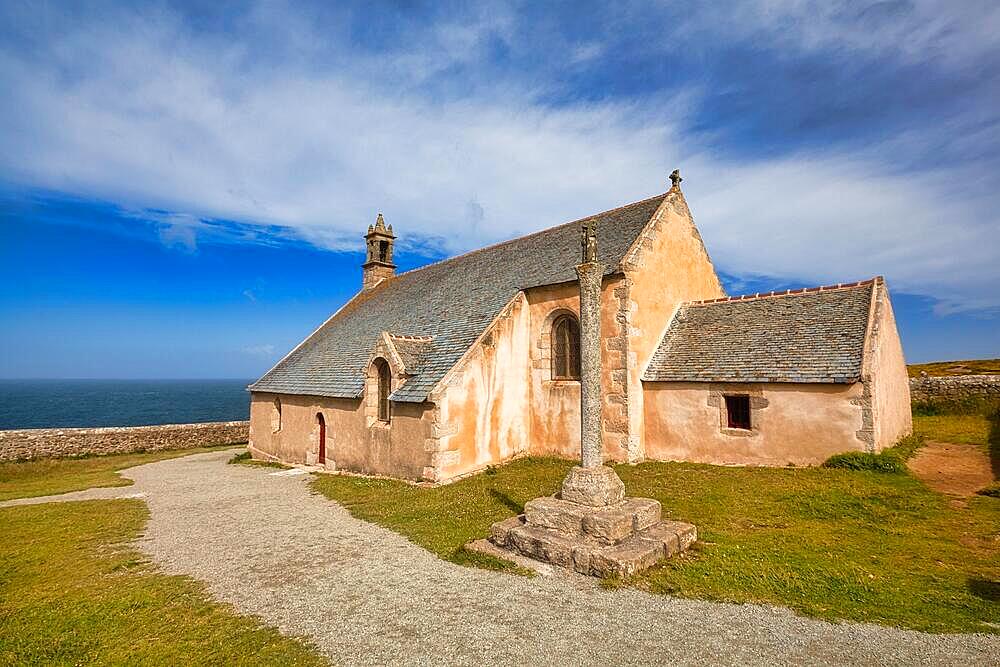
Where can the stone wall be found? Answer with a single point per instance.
(954, 388)
(40, 443)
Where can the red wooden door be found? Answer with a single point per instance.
(322, 438)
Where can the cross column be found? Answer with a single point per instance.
(591, 483)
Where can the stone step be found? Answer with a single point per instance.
(625, 559)
(618, 523)
(644, 549)
(551, 512)
(672, 533)
(545, 544)
(500, 531)
(587, 555)
(609, 525)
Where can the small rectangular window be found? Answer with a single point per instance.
(738, 412)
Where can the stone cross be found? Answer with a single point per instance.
(588, 242)
(590, 273)
(591, 483)
(590, 526)
(675, 178)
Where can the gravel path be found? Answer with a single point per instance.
(362, 594)
(102, 493)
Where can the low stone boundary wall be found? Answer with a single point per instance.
(38, 443)
(954, 388)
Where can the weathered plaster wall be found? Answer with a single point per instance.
(667, 265)
(555, 404)
(352, 443)
(483, 414)
(802, 424)
(23, 444)
(886, 368)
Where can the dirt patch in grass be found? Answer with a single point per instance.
(956, 469)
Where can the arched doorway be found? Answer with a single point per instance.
(322, 437)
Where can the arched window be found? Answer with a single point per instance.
(384, 389)
(566, 348)
(276, 415)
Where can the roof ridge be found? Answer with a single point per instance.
(525, 236)
(789, 292)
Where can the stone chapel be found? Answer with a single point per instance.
(439, 372)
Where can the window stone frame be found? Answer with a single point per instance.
(544, 345)
(276, 415)
(716, 399)
(371, 396)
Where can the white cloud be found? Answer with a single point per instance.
(918, 31)
(586, 52)
(145, 113)
(838, 218)
(175, 230)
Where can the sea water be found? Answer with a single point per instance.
(67, 403)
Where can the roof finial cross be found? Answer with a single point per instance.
(675, 178)
(588, 240)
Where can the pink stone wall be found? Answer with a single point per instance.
(483, 414)
(801, 424)
(886, 368)
(351, 443)
(555, 404)
(667, 266)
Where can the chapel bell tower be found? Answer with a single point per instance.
(378, 266)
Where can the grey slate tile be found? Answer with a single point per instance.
(808, 337)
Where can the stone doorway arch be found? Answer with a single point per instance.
(321, 423)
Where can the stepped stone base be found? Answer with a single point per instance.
(612, 540)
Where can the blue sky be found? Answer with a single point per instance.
(183, 189)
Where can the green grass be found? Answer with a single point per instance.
(891, 461)
(73, 592)
(885, 462)
(44, 477)
(831, 543)
(968, 405)
(963, 367)
(835, 544)
(245, 458)
(445, 518)
(963, 429)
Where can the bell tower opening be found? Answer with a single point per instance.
(378, 264)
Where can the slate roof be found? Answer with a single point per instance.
(413, 352)
(815, 335)
(452, 302)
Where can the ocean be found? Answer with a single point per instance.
(67, 403)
